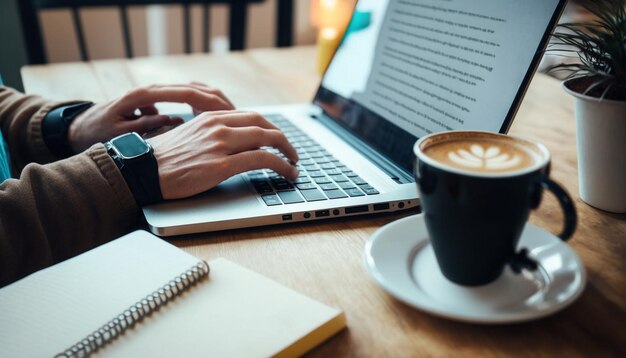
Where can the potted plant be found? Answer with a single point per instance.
(598, 84)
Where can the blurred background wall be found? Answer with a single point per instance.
(12, 49)
(156, 30)
(163, 20)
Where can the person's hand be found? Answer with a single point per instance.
(209, 149)
(135, 112)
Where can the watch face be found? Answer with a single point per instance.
(130, 145)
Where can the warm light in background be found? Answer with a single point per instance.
(331, 13)
(329, 33)
(331, 18)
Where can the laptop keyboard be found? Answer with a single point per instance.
(322, 176)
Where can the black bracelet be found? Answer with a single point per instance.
(55, 125)
(141, 174)
(143, 181)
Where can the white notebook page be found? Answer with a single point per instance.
(234, 313)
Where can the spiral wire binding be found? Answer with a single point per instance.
(136, 313)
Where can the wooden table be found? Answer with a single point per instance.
(324, 259)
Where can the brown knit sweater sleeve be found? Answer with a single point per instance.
(20, 121)
(58, 210)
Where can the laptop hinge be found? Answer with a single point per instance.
(396, 173)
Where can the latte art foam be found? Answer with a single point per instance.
(483, 156)
(490, 158)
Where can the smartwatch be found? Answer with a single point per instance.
(135, 159)
(55, 125)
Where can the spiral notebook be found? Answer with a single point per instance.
(140, 296)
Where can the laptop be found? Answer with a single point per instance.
(404, 69)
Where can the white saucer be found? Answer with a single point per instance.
(401, 260)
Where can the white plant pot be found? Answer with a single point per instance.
(601, 146)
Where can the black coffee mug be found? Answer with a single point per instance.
(475, 220)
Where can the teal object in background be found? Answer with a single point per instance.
(360, 20)
(5, 167)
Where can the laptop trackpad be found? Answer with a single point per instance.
(230, 190)
(232, 195)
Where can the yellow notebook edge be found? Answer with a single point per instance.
(315, 337)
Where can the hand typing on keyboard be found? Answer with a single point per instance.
(214, 146)
(321, 175)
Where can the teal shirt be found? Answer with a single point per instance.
(5, 168)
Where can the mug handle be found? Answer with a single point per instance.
(521, 260)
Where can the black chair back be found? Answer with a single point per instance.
(237, 22)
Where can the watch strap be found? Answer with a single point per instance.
(141, 175)
(55, 126)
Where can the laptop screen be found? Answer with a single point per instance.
(407, 68)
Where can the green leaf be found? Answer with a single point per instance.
(600, 45)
